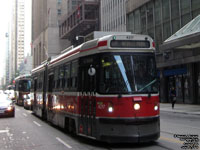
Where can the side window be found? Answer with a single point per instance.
(67, 76)
(61, 76)
(74, 74)
(57, 81)
(51, 83)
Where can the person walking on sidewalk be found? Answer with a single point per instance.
(173, 96)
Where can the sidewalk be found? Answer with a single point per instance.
(181, 108)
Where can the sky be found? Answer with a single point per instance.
(5, 21)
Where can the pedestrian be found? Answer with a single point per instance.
(173, 96)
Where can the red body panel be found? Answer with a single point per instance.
(123, 107)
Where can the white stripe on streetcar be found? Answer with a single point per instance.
(4, 131)
(61, 141)
(25, 114)
(37, 123)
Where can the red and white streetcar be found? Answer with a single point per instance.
(22, 88)
(105, 89)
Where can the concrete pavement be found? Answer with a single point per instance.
(181, 108)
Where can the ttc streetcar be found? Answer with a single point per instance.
(105, 89)
(22, 88)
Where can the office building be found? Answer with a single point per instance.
(113, 15)
(178, 57)
(45, 29)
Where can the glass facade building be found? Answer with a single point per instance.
(178, 61)
(161, 18)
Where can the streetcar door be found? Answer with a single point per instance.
(88, 101)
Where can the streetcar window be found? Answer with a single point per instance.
(129, 44)
(67, 76)
(61, 76)
(74, 74)
(128, 73)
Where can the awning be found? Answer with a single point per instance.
(186, 38)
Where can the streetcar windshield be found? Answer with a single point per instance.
(24, 85)
(131, 73)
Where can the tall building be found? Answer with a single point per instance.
(20, 31)
(7, 67)
(45, 29)
(170, 23)
(113, 15)
(13, 38)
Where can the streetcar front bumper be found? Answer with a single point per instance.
(129, 130)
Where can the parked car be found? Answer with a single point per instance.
(7, 107)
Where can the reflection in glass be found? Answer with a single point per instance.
(128, 74)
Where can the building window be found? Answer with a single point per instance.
(185, 12)
(150, 19)
(165, 9)
(143, 19)
(137, 27)
(59, 11)
(195, 8)
(175, 15)
(158, 12)
(130, 22)
(166, 30)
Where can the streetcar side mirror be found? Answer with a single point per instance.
(91, 71)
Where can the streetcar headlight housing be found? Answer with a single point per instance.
(136, 106)
(29, 102)
(110, 109)
(156, 107)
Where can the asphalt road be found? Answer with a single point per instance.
(28, 132)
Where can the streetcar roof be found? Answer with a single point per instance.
(25, 76)
(99, 43)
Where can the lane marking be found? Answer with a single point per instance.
(171, 140)
(4, 131)
(17, 109)
(37, 123)
(61, 141)
(25, 114)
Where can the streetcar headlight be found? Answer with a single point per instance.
(110, 109)
(29, 102)
(155, 107)
(136, 106)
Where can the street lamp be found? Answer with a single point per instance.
(80, 36)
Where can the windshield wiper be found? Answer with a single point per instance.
(147, 85)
